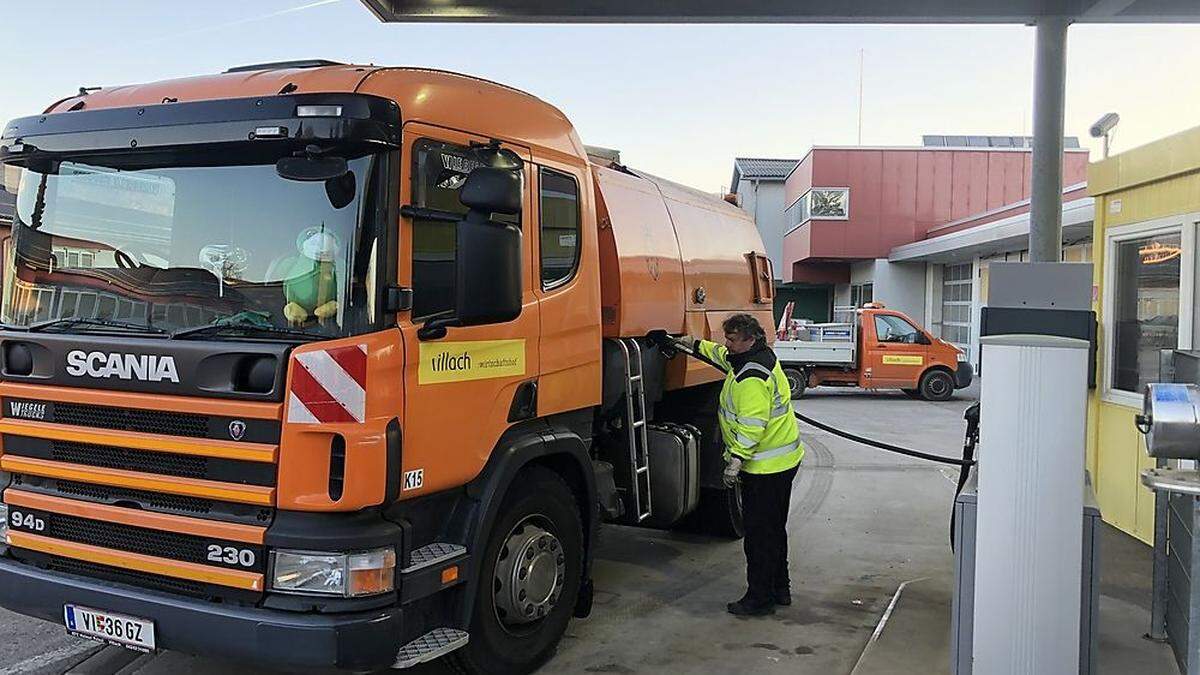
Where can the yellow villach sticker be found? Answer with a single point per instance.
(476, 360)
(903, 360)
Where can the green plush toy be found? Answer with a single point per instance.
(310, 280)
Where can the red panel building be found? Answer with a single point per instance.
(852, 204)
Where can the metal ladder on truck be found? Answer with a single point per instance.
(635, 427)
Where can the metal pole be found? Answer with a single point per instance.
(1158, 597)
(1049, 90)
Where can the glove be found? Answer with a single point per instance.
(732, 468)
(670, 345)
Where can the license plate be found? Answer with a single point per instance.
(114, 629)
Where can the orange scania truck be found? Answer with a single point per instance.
(316, 365)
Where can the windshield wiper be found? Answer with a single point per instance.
(245, 329)
(71, 322)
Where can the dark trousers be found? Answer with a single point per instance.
(765, 501)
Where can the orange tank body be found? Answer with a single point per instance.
(676, 259)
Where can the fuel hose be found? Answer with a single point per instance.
(670, 346)
(965, 462)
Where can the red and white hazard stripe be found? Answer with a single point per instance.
(329, 385)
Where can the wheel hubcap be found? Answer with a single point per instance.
(530, 572)
(937, 387)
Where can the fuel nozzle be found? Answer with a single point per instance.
(667, 344)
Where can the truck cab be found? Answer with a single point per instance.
(876, 348)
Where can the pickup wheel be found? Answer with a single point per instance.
(936, 385)
(797, 379)
(529, 579)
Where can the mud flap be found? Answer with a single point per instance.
(583, 605)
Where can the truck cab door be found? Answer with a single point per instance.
(895, 352)
(460, 388)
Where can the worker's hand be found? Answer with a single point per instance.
(661, 338)
(686, 341)
(664, 341)
(732, 468)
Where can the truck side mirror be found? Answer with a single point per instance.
(488, 260)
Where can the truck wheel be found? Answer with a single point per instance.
(797, 379)
(936, 385)
(720, 512)
(529, 580)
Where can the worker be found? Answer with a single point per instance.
(762, 451)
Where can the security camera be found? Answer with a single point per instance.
(1104, 125)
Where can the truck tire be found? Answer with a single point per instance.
(530, 575)
(936, 385)
(797, 379)
(720, 513)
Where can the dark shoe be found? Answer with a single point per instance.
(745, 608)
(783, 598)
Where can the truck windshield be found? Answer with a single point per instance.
(176, 247)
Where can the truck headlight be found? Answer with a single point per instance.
(348, 575)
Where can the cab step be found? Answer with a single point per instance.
(432, 554)
(432, 645)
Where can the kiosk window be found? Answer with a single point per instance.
(1145, 308)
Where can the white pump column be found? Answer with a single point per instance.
(1028, 561)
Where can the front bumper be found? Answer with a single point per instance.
(270, 638)
(964, 374)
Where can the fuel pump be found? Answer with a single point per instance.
(1170, 420)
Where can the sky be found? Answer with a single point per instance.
(680, 101)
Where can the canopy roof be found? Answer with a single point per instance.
(786, 11)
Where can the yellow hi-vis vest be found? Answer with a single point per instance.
(757, 422)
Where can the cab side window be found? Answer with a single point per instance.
(439, 171)
(894, 329)
(559, 227)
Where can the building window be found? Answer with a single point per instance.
(1145, 307)
(956, 305)
(819, 204)
(860, 294)
(829, 203)
(560, 227)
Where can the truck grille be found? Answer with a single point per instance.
(188, 466)
(138, 580)
(158, 543)
(56, 467)
(145, 461)
(160, 502)
(133, 578)
(161, 422)
(110, 495)
(131, 419)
